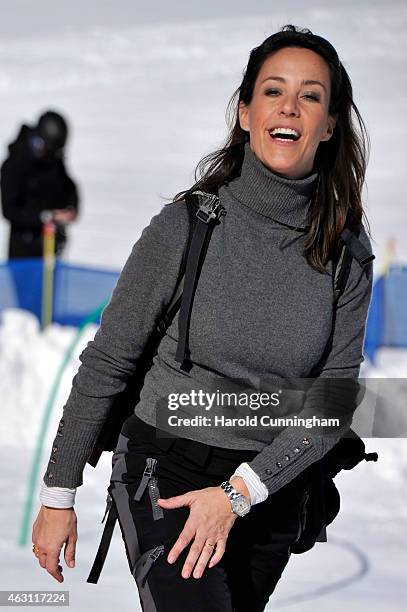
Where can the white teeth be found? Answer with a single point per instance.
(281, 130)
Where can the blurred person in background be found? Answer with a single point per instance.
(36, 188)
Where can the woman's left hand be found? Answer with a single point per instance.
(210, 520)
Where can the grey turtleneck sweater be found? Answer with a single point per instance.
(261, 315)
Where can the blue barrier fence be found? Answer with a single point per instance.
(387, 322)
(77, 290)
(80, 290)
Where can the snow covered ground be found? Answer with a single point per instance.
(146, 97)
(362, 566)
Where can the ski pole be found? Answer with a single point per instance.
(48, 232)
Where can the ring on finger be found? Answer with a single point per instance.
(211, 545)
(36, 550)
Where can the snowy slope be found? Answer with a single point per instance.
(349, 570)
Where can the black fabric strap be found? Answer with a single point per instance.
(103, 546)
(352, 248)
(207, 216)
(358, 251)
(175, 302)
(202, 231)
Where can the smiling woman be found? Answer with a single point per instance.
(288, 116)
(210, 518)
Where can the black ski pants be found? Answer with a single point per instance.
(258, 547)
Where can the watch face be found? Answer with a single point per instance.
(241, 505)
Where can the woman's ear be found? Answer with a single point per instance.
(244, 116)
(332, 119)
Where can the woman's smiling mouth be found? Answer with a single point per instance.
(284, 135)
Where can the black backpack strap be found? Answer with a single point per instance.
(207, 217)
(356, 248)
(101, 554)
(193, 201)
(350, 248)
(175, 302)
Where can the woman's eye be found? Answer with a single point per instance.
(312, 97)
(273, 92)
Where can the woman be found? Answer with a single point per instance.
(289, 177)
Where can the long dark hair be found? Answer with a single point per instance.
(341, 161)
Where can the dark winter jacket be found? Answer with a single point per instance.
(30, 185)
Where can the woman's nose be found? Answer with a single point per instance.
(289, 106)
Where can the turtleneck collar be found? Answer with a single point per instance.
(282, 199)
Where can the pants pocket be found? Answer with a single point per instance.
(149, 480)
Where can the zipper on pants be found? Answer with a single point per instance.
(150, 480)
(144, 564)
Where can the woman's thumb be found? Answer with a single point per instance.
(70, 553)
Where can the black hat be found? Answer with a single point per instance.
(52, 128)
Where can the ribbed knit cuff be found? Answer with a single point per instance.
(70, 451)
(281, 461)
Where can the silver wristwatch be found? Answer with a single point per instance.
(240, 503)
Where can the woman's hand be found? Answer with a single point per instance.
(53, 528)
(210, 520)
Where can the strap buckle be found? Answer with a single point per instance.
(209, 207)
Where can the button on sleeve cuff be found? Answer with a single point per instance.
(281, 461)
(70, 451)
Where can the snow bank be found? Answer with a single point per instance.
(367, 532)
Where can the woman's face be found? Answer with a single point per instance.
(292, 90)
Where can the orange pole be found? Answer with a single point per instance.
(48, 272)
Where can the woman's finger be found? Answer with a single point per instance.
(177, 501)
(193, 556)
(53, 566)
(69, 552)
(42, 560)
(182, 542)
(219, 552)
(206, 554)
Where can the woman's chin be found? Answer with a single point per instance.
(283, 169)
